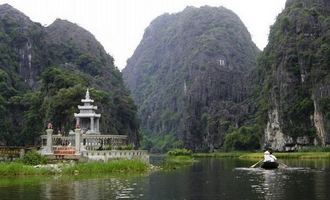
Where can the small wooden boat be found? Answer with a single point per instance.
(269, 165)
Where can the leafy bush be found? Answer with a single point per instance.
(180, 152)
(34, 158)
(159, 143)
(244, 138)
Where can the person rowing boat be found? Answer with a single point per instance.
(269, 161)
(269, 157)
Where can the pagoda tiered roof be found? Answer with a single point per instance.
(87, 110)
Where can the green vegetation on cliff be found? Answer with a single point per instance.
(189, 76)
(244, 138)
(294, 68)
(44, 73)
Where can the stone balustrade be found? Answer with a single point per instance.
(91, 146)
(116, 154)
(103, 142)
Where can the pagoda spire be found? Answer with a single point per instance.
(87, 97)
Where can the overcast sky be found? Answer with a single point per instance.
(119, 24)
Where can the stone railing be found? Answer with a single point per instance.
(10, 152)
(103, 142)
(93, 147)
(82, 142)
(59, 140)
(116, 154)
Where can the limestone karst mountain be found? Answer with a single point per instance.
(44, 72)
(295, 69)
(189, 75)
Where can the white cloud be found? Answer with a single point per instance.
(119, 24)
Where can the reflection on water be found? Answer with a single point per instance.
(207, 179)
(68, 188)
(288, 183)
(109, 188)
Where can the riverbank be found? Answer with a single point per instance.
(114, 166)
(259, 155)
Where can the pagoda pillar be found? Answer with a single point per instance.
(92, 124)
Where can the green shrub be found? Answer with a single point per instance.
(180, 152)
(159, 143)
(244, 138)
(34, 158)
(125, 147)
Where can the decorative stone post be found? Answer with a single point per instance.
(49, 131)
(77, 132)
(21, 153)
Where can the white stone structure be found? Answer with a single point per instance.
(87, 119)
(86, 140)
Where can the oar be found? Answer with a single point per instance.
(284, 165)
(256, 163)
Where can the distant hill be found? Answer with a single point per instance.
(44, 72)
(190, 76)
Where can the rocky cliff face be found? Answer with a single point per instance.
(189, 75)
(44, 72)
(18, 36)
(295, 67)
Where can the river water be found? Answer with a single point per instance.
(206, 179)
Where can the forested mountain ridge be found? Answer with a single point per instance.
(295, 68)
(44, 72)
(190, 78)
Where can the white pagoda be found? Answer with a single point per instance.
(87, 119)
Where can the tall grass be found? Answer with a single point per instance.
(174, 162)
(19, 169)
(180, 152)
(222, 154)
(315, 149)
(308, 154)
(289, 155)
(304, 155)
(107, 167)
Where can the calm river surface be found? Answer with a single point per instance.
(206, 179)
